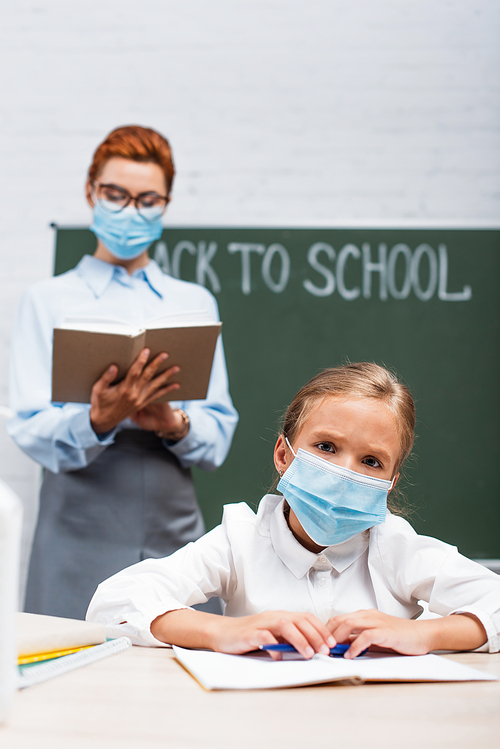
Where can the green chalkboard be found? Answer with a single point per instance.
(294, 301)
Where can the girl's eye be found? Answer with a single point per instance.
(372, 462)
(325, 447)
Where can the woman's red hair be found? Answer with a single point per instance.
(138, 144)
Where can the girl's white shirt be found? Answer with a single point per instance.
(254, 564)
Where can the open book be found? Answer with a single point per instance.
(258, 671)
(85, 347)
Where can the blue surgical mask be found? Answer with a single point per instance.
(332, 503)
(125, 234)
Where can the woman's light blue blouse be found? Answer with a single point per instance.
(59, 435)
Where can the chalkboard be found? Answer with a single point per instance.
(294, 301)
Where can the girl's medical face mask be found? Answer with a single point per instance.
(125, 234)
(332, 503)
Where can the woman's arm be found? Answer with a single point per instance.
(66, 437)
(407, 636)
(59, 437)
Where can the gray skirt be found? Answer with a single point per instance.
(133, 502)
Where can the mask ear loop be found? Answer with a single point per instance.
(291, 448)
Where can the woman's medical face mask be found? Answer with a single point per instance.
(332, 503)
(125, 234)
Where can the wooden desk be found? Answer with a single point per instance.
(142, 699)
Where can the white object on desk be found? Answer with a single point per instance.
(259, 671)
(10, 552)
(43, 671)
(37, 633)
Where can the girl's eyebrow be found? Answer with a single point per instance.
(329, 436)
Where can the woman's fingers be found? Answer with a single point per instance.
(161, 380)
(106, 379)
(137, 368)
(151, 369)
(143, 380)
(156, 394)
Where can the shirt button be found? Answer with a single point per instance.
(322, 558)
(322, 581)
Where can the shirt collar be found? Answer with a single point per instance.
(154, 275)
(299, 560)
(98, 274)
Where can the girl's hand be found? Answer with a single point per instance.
(406, 636)
(245, 633)
(110, 404)
(242, 634)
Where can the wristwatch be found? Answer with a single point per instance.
(177, 434)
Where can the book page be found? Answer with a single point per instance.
(259, 671)
(190, 318)
(101, 325)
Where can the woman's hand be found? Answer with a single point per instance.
(242, 634)
(406, 636)
(110, 404)
(160, 417)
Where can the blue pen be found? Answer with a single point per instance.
(284, 647)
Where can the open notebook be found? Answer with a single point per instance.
(259, 671)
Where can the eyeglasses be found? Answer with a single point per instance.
(114, 199)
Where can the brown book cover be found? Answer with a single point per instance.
(80, 357)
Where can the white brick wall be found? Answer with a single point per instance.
(279, 111)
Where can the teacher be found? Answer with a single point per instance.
(117, 485)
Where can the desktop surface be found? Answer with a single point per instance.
(143, 699)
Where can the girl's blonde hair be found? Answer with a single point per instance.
(362, 380)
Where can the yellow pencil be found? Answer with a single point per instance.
(25, 659)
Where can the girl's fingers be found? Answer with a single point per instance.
(320, 640)
(290, 633)
(344, 631)
(361, 642)
(303, 631)
(262, 637)
(342, 627)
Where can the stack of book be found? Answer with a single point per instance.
(50, 645)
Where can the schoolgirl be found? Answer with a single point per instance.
(328, 560)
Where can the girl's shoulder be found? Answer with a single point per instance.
(240, 513)
(396, 534)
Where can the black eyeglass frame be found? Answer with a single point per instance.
(131, 199)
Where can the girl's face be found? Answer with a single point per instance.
(356, 433)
